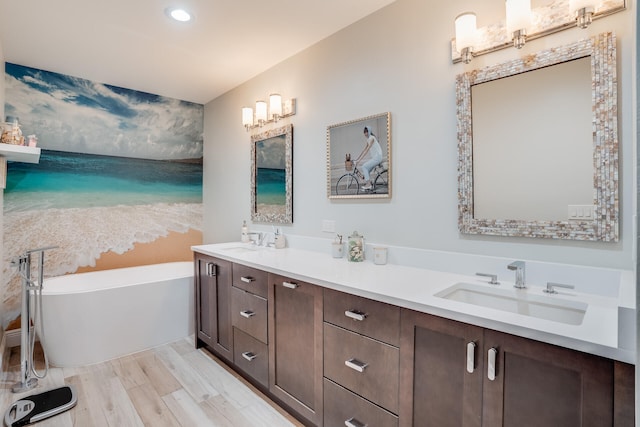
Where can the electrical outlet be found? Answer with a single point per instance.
(328, 226)
(581, 212)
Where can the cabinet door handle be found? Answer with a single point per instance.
(211, 269)
(356, 365)
(290, 285)
(471, 357)
(491, 365)
(247, 313)
(249, 356)
(355, 315)
(352, 422)
(247, 279)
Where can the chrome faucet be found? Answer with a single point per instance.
(259, 237)
(518, 267)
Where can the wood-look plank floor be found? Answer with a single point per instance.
(173, 385)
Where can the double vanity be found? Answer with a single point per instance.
(338, 343)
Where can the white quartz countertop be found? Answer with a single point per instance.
(416, 288)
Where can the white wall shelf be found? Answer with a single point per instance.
(19, 153)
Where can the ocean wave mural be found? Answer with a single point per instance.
(119, 181)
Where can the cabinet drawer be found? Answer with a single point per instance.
(364, 316)
(250, 279)
(251, 356)
(249, 313)
(342, 406)
(365, 366)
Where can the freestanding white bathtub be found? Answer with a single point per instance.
(97, 316)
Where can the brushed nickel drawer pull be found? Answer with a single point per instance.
(352, 422)
(290, 285)
(355, 315)
(211, 269)
(247, 313)
(247, 279)
(491, 365)
(471, 357)
(356, 365)
(249, 356)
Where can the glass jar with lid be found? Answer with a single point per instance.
(356, 247)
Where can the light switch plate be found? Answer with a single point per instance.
(328, 226)
(581, 212)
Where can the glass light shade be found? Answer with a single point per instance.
(275, 105)
(466, 33)
(576, 5)
(261, 111)
(247, 116)
(518, 15)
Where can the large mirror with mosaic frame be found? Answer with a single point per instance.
(272, 176)
(538, 145)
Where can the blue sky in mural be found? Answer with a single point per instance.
(71, 114)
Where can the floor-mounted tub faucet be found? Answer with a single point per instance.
(518, 267)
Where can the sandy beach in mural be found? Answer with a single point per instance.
(98, 238)
(174, 247)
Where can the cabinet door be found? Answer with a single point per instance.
(538, 384)
(295, 345)
(440, 372)
(213, 302)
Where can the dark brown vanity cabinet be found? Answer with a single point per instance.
(336, 359)
(361, 361)
(249, 320)
(213, 313)
(295, 345)
(455, 374)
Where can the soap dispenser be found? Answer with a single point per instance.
(244, 233)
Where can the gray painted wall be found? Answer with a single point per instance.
(397, 60)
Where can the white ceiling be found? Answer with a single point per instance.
(132, 43)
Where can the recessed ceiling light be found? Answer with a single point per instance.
(178, 14)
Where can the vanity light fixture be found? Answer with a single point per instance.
(275, 105)
(261, 112)
(466, 35)
(583, 11)
(276, 110)
(518, 21)
(530, 24)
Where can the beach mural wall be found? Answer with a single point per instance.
(119, 181)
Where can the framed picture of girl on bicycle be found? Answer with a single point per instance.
(359, 158)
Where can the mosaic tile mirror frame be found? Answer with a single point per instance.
(605, 223)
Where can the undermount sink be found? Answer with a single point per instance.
(517, 301)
